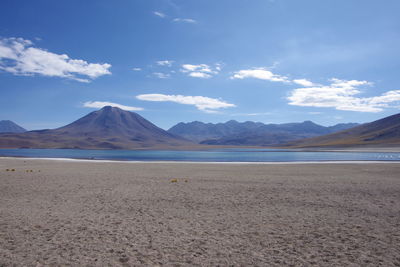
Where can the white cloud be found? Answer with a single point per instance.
(199, 75)
(100, 104)
(259, 73)
(200, 67)
(161, 75)
(185, 20)
(167, 63)
(341, 95)
(201, 70)
(136, 69)
(388, 97)
(17, 56)
(304, 82)
(159, 14)
(203, 103)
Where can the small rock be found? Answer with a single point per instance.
(124, 259)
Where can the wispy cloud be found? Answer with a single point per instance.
(18, 56)
(342, 95)
(184, 20)
(259, 73)
(167, 63)
(100, 104)
(161, 75)
(177, 20)
(202, 103)
(136, 69)
(159, 14)
(201, 70)
(218, 66)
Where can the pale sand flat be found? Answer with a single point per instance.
(109, 214)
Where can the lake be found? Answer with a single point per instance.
(220, 155)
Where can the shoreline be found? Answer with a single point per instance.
(382, 149)
(211, 162)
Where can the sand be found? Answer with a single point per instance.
(131, 214)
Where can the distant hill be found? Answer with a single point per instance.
(7, 126)
(107, 128)
(385, 131)
(342, 126)
(198, 131)
(251, 133)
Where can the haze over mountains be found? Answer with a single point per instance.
(7, 126)
(107, 128)
(252, 133)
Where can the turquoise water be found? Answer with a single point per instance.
(225, 155)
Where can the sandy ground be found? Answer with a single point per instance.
(130, 214)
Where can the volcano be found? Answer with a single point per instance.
(7, 126)
(107, 128)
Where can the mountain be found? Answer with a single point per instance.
(107, 128)
(342, 126)
(198, 131)
(251, 133)
(385, 131)
(7, 126)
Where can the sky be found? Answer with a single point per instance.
(171, 61)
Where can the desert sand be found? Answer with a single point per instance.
(131, 214)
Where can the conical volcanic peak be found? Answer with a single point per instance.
(7, 126)
(109, 127)
(113, 121)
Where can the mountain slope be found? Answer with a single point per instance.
(108, 128)
(198, 131)
(251, 133)
(7, 126)
(271, 134)
(385, 131)
(341, 127)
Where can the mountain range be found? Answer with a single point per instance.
(107, 128)
(114, 128)
(7, 126)
(252, 133)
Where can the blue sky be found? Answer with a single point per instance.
(272, 61)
